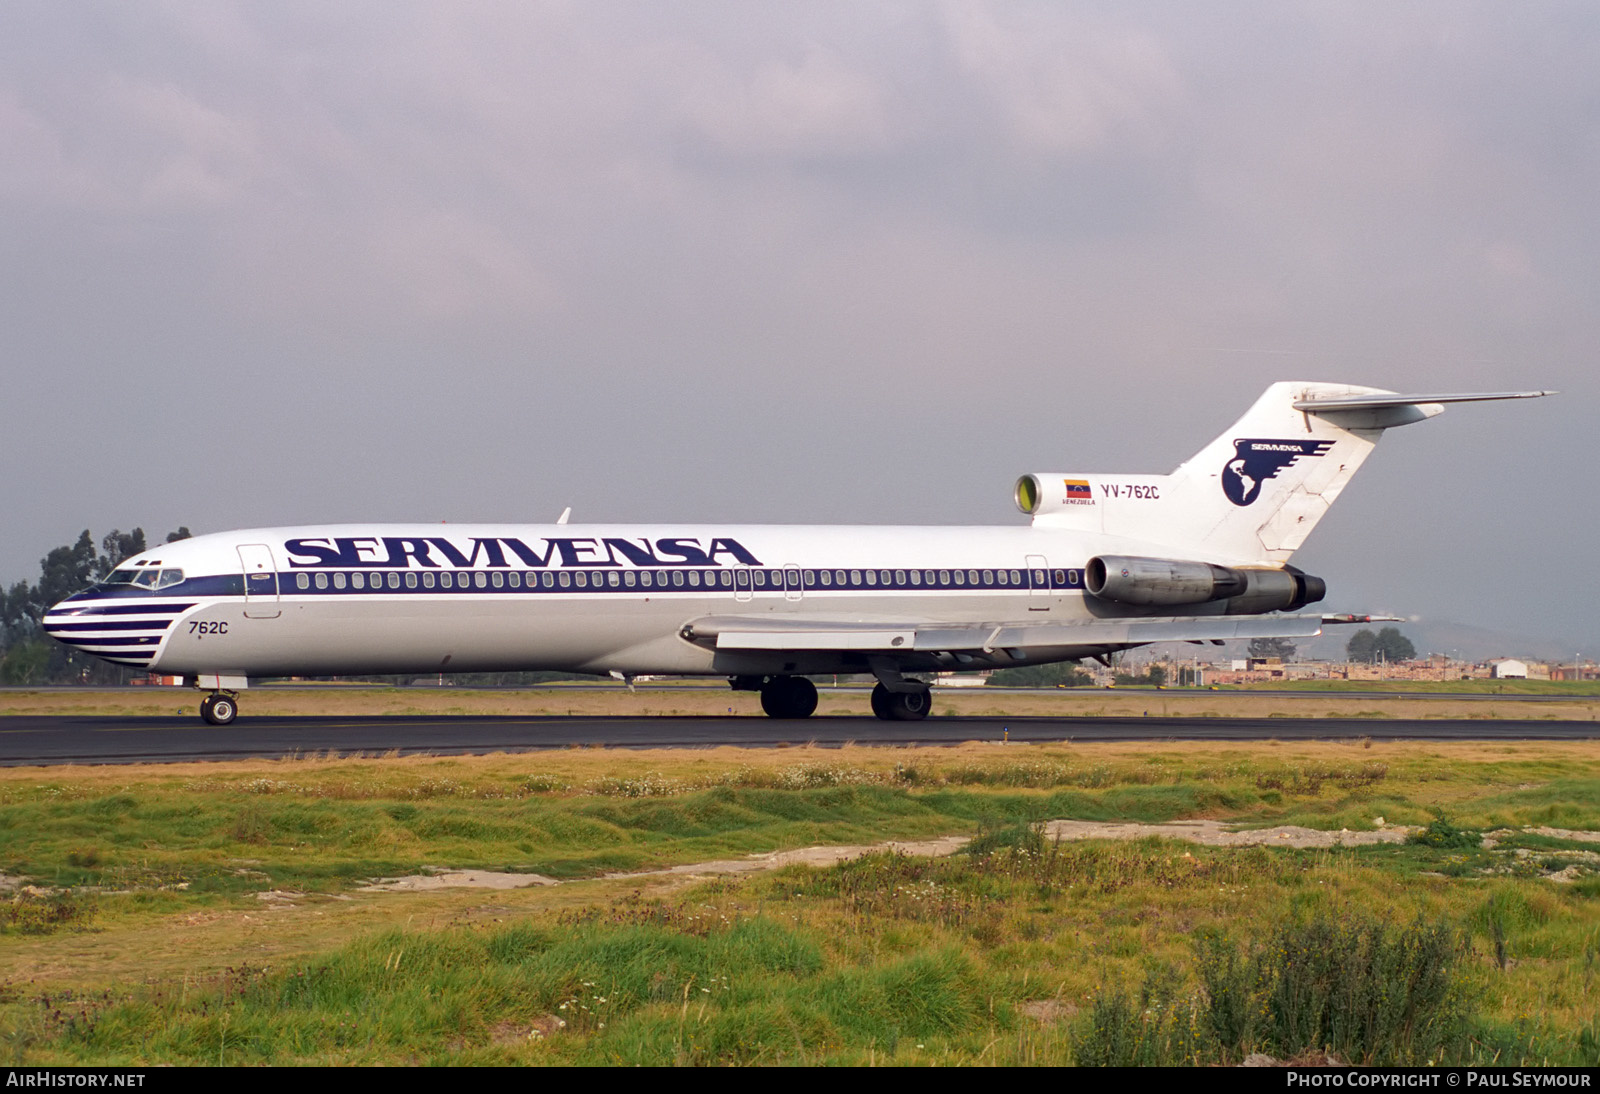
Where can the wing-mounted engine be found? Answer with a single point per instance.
(1145, 582)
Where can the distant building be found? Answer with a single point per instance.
(1507, 668)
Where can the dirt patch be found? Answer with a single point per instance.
(806, 856)
(1218, 834)
(1047, 1010)
(520, 1033)
(1563, 833)
(1212, 833)
(456, 879)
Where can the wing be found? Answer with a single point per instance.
(900, 637)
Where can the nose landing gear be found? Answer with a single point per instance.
(219, 708)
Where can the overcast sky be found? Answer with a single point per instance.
(296, 262)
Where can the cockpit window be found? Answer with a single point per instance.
(151, 578)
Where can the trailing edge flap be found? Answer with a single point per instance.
(743, 633)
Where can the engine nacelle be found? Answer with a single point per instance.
(1126, 579)
(1276, 591)
(1145, 581)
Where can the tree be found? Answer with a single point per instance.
(1361, 645)
(1281, 648)
(118, 546)
(1387, 645)
(1394, 646)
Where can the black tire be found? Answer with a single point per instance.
(911, 706)
(789, 697)
(880, 702)
(219, 710)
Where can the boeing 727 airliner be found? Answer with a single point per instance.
(1109, 562)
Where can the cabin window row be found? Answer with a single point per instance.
(680, 579)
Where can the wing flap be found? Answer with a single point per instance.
(736, 633)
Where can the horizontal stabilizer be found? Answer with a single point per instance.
(1374, 402)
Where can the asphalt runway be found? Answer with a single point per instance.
(27, 740)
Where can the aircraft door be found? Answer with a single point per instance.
(742, 589)
(1038, 584)
(260, 581)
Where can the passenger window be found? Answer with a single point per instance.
(613, 579)
(916, 577)
(566, 579)
(358, 580)
(394, 579)
(1061, 577)
(961, 578)
(677, 577)
(727, 580)
(498, 579)
(411, 579)
(872, 577)
(628, 578)
(338, 580)
(301, 580)
(581, 578)
(547, 579)
(694, 578)
(514, 579)
(899, 577)
(427, 579)
(944, 577)
(479, 579)
(827, 577)
(811, 580)
(855, 577)
(322, 581)
(645, 579)
(1016, 578)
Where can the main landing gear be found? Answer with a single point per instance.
(219, 708)
(788, 697)
(901, 706)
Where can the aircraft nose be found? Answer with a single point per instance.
(120, 632)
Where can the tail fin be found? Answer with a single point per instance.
(1254, 494)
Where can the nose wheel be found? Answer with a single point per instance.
(219, 708)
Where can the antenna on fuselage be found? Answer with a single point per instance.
(565, 513)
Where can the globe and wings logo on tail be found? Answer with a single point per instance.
(1257, 460)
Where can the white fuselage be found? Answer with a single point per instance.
(361, 599)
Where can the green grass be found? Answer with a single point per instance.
(1018, 951)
